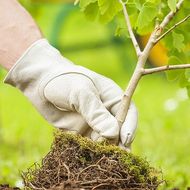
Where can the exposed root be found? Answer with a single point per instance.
(7, 187)
(75, 162)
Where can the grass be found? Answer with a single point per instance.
(164, 129)
(24, 135)
(162, 136)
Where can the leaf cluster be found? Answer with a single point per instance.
(143, 16)
(178, 50)
(142, 13)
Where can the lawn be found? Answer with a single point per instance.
(163, 134)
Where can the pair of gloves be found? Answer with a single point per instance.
(71, 97)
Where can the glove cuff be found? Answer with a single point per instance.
(11, 76)
(36, 63)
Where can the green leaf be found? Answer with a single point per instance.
(138, 4)
(173, 60)
(183, 81)
(131, 8)
(133, 12)
(84, 3)
(118, 31)
(121, 32)
(156, 2)
(172, 5)
(174, 74)
(146, 30)
(121, 29)
(91, 11)
(108, 9)
(187, 73)
(146, 15)
(188, 91)
(178, 41)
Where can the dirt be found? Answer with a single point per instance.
(7, 187)
(75, 162)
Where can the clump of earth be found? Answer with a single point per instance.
(7, 187)
(75, 162)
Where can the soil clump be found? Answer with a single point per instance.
(75, 162)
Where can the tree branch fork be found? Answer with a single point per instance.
(140, 71)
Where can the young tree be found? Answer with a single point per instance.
(165, 21)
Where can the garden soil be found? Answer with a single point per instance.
(75, 162)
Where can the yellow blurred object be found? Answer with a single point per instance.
(158, 55)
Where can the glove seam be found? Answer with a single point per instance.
(47, 79)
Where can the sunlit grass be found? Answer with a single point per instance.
(162, 137)
(163, 134)
(24, 135)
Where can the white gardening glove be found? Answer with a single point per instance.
(71, 97)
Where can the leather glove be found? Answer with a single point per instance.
(69, 96)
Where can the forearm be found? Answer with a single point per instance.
(17, 32)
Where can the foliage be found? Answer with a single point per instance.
(143, 15)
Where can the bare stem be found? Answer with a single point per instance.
(142, 58)
(170, 15)
(130, 30)
(126, 100)
(165, 68)
(172, 28)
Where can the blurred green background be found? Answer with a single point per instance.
(164, 132)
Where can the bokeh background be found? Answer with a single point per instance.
(164, 129)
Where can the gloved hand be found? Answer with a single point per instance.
(71, 97)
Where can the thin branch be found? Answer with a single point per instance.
(130, 30)
(165, 68)
(172, 28)
(170, 15)
(139, 70)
